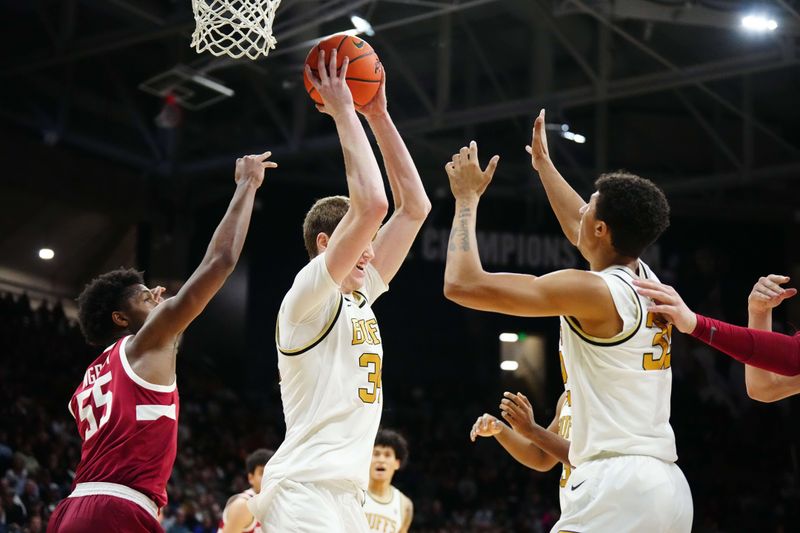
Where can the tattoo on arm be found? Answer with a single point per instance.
(459, 237)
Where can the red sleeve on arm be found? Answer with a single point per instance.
(771, 351)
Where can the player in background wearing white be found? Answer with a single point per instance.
(388, 510)
(534, 446)
(617, 356)
(330, 348)
(236, 517)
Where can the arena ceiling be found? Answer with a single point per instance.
(673, 90)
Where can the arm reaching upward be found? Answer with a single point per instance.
(368, 203)
(566, 203)
(152, 350)
(411, 204)
(576, 293)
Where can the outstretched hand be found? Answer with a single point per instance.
(467, 180)
(252, 167)
(540, 155)
(668, 303)
(331, 84)
(767, 293)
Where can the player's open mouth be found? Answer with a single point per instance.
(360, 267)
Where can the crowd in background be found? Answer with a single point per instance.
(740, 457)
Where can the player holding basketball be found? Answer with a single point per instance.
(236, 517)
(772, 359)
(126, 408)
(617, 356)
(388, 510)
(329, 344)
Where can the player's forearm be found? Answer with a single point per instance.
(522, 450)
(768, 350)
(228, 240)
(564, 201)
(762, 385)
(463, 265)
(364, 182)
(406, 185)
(551, 443)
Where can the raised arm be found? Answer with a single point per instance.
(564, 201)
(411, 204)
(368, 203)
(151, 352)
(763, 385)
(567, 292)
(767, 350)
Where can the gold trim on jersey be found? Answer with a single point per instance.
(327, 329)
(616, 339)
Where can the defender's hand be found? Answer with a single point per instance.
(768, 294)
(251, 167)
(466, 177)
(485, 426)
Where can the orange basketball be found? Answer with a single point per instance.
(364, 73)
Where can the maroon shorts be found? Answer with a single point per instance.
(91, 514)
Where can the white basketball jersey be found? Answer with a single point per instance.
(384, 517)
(620, 387)
(565, 430)
(331, 390)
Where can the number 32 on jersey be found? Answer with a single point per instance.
(662, 340)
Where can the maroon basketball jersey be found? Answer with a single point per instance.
(129, 427)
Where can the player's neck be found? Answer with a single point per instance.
(613, 259)
(381, 490)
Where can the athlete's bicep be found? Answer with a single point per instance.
(565, 292)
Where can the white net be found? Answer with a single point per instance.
(234, 27)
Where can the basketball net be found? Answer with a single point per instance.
(234, 28)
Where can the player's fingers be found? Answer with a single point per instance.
(332, 70)
(492, 166)
(269, 164)
(262, 157)
(312, 77)
(768, 283)
(321, 68)
(788, 293)
(343, 70)
(525, 400)
(659, 296)
(666, 310)
(778, 278)
(473, 150)
(464, 153)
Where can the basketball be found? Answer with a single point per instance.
(364, 73)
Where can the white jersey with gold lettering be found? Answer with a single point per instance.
(622, 444)
(385, 517)
(330, 358)
(620, 387)
(565, 431)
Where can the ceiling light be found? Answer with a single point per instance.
(362, 25)
(759, 23)
(509, 366)
(47, 254)
(509, 337)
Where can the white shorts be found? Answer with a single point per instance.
(631, 493)
(321, 507)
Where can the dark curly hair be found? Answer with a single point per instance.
(394, 440)
(635, 209)
(101, 297)
(257, 458)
